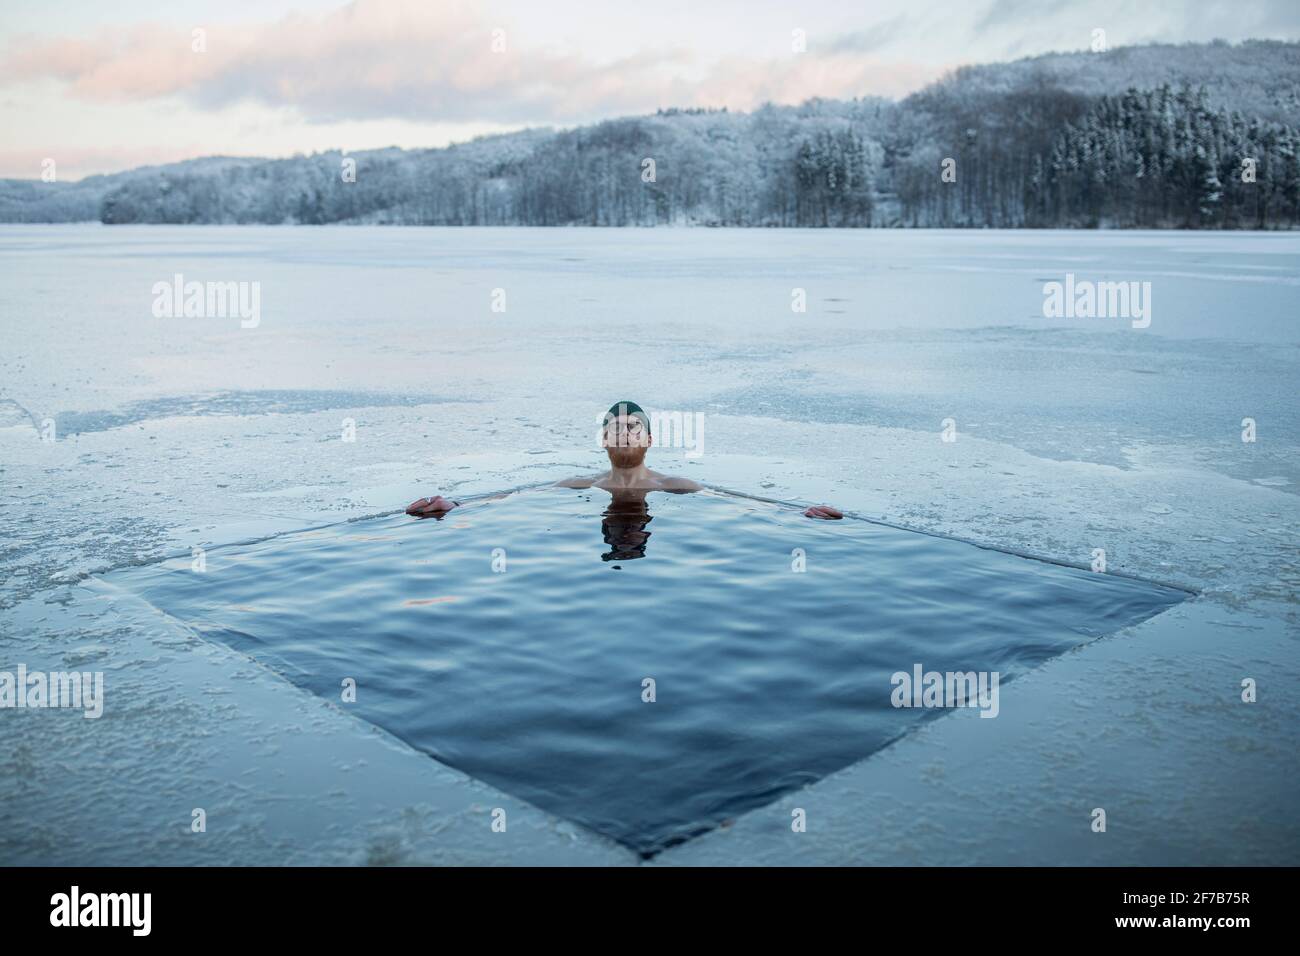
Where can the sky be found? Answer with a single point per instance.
(99, 87)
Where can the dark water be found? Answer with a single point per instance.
(531, 678)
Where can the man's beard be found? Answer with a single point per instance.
(626, 456)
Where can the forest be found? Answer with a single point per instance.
(1193, 136)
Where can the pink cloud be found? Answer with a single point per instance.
(426, 62)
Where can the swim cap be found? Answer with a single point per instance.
(628, 410)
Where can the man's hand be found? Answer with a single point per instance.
(823, 511)
(430, 507)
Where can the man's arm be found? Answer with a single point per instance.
(438, 505)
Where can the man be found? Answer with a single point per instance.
(626, 438)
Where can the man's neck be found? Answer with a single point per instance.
(632, 477)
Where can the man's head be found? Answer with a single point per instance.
(626, 434)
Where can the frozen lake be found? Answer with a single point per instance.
(1072, 435)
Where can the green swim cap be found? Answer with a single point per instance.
(628, 410)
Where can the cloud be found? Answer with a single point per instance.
(743, 83)
(373, 59)
(73, 163)
(877, 37)
(1002, 12)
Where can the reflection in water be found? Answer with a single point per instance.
(623, 526)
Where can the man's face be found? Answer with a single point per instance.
(625, 440)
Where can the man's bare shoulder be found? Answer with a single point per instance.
(679, 485)
(582, 481)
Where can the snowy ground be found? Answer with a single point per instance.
(1071, 436)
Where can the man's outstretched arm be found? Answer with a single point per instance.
(438, 505)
